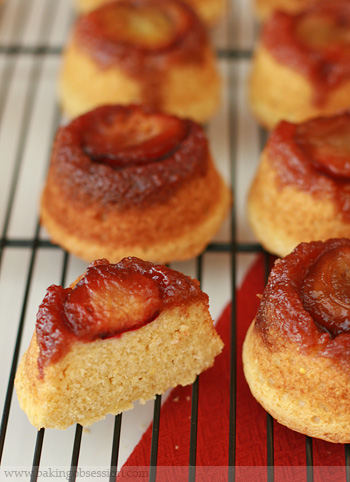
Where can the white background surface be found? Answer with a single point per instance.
(29, 116)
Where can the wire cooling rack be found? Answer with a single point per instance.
(32, 35)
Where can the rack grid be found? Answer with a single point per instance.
(32, 36)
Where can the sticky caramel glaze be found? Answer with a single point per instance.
(297, 163)
(325, 62)
(85, 311)
(265, 8)
(282, 318)
(210, 11)
(152, 180)
(184, 43)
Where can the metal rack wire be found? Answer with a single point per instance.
(32, 35)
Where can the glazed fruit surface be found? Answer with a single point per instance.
(325, 292)
(315, 157)
(147, 26)
(137, 33)
(144, 39)
(108, 300)
(150, 26)
(306, 300)
(127, 156)
(315, 42)
(129, 137)
(326, 142)
(324, 29)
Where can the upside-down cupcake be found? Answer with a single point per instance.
(301, 67)
(296, 354)
(301, 190)
(120, 333)
(140, 51)
(265, 8)
(209, 11)
(124, 180)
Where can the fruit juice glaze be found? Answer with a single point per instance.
(144, 38)
(315, 42)
(125, 156)
(314, 157)
(306, 302)
(107, 301)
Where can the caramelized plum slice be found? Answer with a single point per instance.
(52, 341)
(324, 30)
(146, 26)
(131, 137)
(325, 292)
(108, 301)
(326, 142)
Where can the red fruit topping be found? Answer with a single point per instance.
(143, 24)
(325, 292)
(326, 142)
(326, 29)
(52, 338)
(107, 302)
(315, 42)
(133, 137)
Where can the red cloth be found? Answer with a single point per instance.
(213, 419)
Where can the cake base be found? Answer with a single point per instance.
(107, 376)
(284, 216)
(177, 229)
(308, 394)
(277, 92)
(84, 85)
